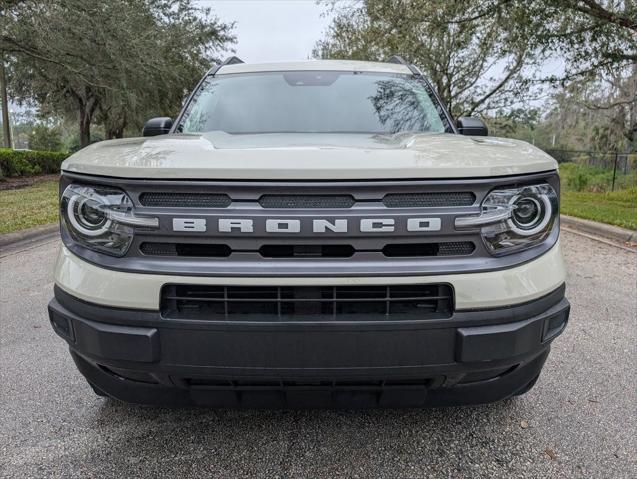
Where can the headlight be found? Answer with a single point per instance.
(101, 218)
(515, 219)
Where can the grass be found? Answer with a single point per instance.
(586, 194)
(617, 208)
(27, 207)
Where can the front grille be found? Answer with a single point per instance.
(184, 200)
(429, 200)
(164, 199)
(312, 228)
(308, 251)
(307, 303)
(307, 201)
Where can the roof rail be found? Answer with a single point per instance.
(233, 60)
(400, 60)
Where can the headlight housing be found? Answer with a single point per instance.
(515, 219)
(101, 218)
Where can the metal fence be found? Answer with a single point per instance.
(618, 163)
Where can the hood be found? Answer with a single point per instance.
(309, 156)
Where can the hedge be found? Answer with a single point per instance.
(29, 163)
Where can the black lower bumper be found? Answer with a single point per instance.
(474, 357)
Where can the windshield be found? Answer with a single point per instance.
(312, 102)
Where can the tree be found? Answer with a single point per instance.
(114, 62)
(612, 101)
(474, 66)
(45, 139)
(591, 114)
(484, 56)
(6, 127)
(589, 36)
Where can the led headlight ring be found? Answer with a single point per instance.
(541, 203)
(78, 215)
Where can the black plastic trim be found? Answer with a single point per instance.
(134, 356)
(426, 393)
(233, 60)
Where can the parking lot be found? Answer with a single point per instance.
(579, 421)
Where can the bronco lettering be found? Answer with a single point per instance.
(319, 225)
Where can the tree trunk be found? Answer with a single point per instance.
(5, 104)
(86, 108)
(115, 132)
(85, 127)
(117, 125)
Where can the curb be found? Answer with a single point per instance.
(613, 233)
(10, 241)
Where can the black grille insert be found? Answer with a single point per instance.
(308, 251)
(307, 303)
(202, 250)
(184, 200)
(452, 248)
(307, 201)
(306, 385)
(429, 200)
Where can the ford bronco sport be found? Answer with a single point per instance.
(310, 234)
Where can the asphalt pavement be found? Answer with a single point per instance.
(580, 420)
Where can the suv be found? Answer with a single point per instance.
(310, 234)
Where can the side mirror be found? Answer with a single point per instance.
(157, 126)
(471, 126)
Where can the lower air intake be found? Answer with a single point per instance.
(307, 303)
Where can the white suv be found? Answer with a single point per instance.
(310, 234)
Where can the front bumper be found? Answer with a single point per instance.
(485, 290)
(476, 356)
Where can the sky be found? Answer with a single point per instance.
(269, 31)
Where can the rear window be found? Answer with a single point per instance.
(312, 102)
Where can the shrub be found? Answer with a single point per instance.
(29, 163)
(43, 138)
(576, 177)
(578, 182)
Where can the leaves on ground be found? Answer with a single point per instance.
(550, 453)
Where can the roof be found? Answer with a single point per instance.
(319, 65)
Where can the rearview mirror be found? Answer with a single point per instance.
(471, 126)
(157, 126)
